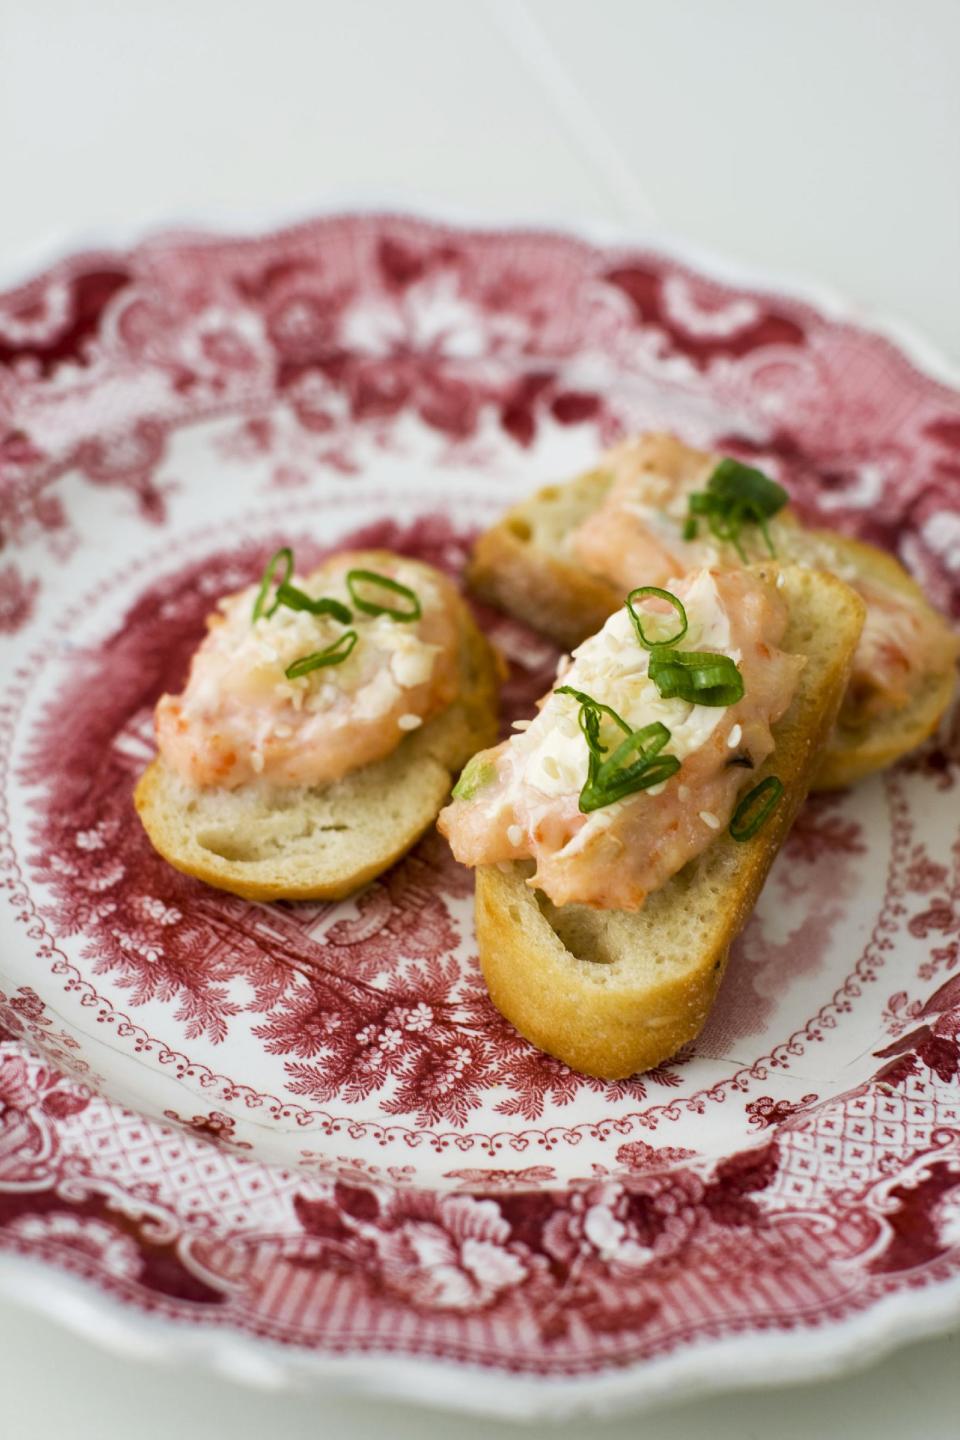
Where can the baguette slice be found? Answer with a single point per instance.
(321, 843)
(857, 751)
(612, 992)
(524, 566)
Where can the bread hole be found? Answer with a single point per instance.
(580, 931)
(227, 845)
(520, 529)
(323, 829)
(550, 492)
(515, 915)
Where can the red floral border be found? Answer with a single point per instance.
(605, 1273)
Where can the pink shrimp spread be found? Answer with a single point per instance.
(520, 801)
(898, 645)
(242, 719)
(638, 530)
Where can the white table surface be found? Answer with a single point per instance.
(818, 138)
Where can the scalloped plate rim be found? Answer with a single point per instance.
(771, 1359)
(220, 223)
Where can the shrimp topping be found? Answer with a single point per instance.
(242, 718)
(522, 800)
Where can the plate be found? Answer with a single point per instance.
(298, 1140)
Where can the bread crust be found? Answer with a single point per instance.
(554, 595)
(854, 753)
(538, 583)
(379, 811)
(612, 1021)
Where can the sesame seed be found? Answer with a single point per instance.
(781, 580)
(551, 767)
(410, 722)
(283, 732)
(735, 736)
(657, 789)
(683, 793)
(514, 834)
(708, 818)
(521, 724)
(256, 760)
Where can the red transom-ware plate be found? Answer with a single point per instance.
(299, 1140)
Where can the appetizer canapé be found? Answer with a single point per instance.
(622, 839)
(320, 726)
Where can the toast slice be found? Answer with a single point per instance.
(524, 565)
(322, 843)
(855, 751)
(612, 992)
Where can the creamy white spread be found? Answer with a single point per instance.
(612, 667)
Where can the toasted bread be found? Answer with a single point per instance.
(854, 752)
(525, 566)
(271, 842)
(614, 992)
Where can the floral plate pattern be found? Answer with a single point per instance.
(299, 1137)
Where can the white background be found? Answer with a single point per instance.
(818, 138)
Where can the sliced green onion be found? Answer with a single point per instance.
(474, 776)
(732, 481)
(295, 599)
(736, 495)
(756, 807)
(372, 607)
(286, 555)
(641, 594)
(334, 654)
(698, 676)
(594, 708)
(613, 779)
(647, 742)
(598, 793)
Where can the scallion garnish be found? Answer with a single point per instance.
(334, 654)
(590, 712)
(286, 555)
(295, 599)
(292, 597)
(642, 593)
(384, 582)
(474, 776)
(756, 807)
(698, 676)
(617, 776)
(736, 495)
